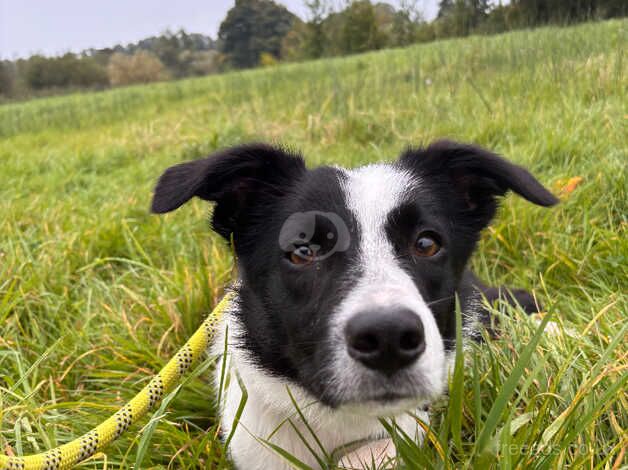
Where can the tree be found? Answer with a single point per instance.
(461, 17)
(141, 67)
(294, 45)
(316, 39)
(405, 24)
(68, 70)
(253, 27)
(7, 77)
(445, 7)
(205, 62)
(533, 12)
(360, 31)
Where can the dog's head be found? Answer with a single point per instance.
(348, 277)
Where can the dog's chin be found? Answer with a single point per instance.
(384, 405)
(381, 401)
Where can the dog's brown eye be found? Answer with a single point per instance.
(302, 255)
(427, 244)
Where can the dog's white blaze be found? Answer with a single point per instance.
(372, 192)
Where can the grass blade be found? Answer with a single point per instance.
(508, 389)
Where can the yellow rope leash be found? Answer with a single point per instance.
(68, 455)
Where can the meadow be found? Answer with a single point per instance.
(96, 293)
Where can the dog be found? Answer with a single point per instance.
(344, 306)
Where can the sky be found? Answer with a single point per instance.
(54, 27)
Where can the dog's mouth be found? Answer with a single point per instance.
(388, 397)
(384, 404)
(380, 398)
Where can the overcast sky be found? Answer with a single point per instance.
(57, 26)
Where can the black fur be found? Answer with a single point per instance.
(460, 184)
(241, 180)
(285, 309)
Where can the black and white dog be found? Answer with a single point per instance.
(347, 285)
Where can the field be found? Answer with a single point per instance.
(96, 293)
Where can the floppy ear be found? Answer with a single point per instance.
(476, 175)
(235, 178)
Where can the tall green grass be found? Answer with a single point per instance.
(96, 294)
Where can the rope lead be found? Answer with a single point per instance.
(68, 455)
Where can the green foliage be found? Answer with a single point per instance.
(461, 17)
(360, 31)
(403, 30)
(96, 294)
(267, 60)
(180, 52)
(294, 45)
(535, 12)
(253, 27)
(69, 70)
(7, 77)
(316, 40)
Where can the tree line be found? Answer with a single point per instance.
(170, 55)
(263, 33)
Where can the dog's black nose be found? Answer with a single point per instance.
(385, 340)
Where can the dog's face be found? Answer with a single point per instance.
(348, 277)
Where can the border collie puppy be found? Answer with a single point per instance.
(345, 300)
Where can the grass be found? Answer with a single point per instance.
(96, 294)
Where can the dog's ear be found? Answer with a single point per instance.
(476, 175)
(235, 179)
